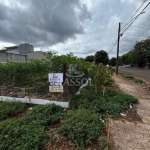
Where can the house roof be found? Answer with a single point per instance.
(11, 47)
(3, 50)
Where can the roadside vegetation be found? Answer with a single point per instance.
(111, 104)
(130, 76)
(9, 108)
(126, 75)
(82, 125)
(138, 81)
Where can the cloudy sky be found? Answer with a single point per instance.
(79, 26)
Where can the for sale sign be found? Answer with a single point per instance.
(55, 82)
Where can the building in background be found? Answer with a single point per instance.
(20, 53)
(21, 49)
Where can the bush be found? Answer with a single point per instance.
(89, 101)
(27, 133)
(113, 103)
(10, 108)
(15, 134)
(44, 114)
(23, 73)
(111, 92)
(81, 126)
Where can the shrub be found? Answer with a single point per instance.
(99, 76)
(111, 92)
(113, 103)
(15, 134)
(89, 101)
(44, 114)
(9, 108)
(81, 126)
(23, 73)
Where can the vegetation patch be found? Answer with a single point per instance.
(112, 103)
(44, 114)
(126, 75)
(28, 132)
(10, 108)
(16, 134)
(81, 127)
(138, 81)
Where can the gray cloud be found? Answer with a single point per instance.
(46, 22)
(81, 27)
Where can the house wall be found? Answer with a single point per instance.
(25, 48)
(36, 55)
(14, 51)
(4, 57)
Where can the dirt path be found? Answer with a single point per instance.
(128, 135)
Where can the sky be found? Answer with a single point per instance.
(79, 26)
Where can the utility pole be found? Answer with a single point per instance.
(117, 60)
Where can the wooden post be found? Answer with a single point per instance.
(64, 71)
(65, 85)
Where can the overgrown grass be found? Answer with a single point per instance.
(44, 114)
(82, 126)
(138, 81)
(112, 104)
(28, 132)
(16, 134)
(10, 108)
(126, 75)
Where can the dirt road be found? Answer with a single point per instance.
(128, 135)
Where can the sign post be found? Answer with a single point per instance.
(55, 82)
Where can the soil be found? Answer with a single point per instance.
(34, 92)
(125, 134)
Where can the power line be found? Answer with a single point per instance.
(140, 27)
(133, 5)
(136, 17)
(137, 34)
(132, 17)
(113, 47)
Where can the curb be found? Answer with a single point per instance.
(35, 101)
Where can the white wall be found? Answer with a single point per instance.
(36, 55)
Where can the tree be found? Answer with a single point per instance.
(101, 57)
(112, 61)
(89, 58)
(139, 55)
(140, 52)
(126, 58)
